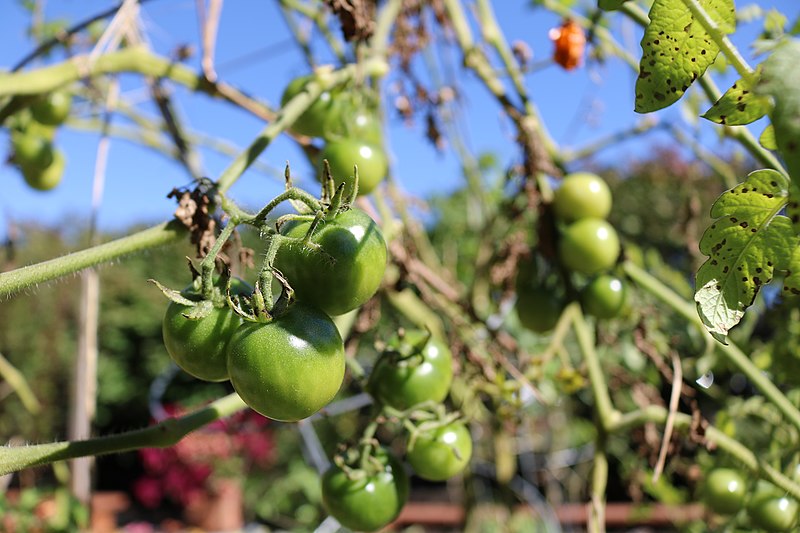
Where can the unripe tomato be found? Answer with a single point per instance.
(582, 195)
(52, 109)
(413, 369)
(771, 509)
(348, 120)
(33, 151)
(343, 154)
(589, 246)
(538, 308)
(369, 499)
(346, 268)
(605, 296)
(441, 453)
(312, 121)
(199, 347)
(45, 178)
(725, 491)
(290, 368)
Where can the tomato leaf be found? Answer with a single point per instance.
(676, 50)
(781, 80)
(746, 243)
(791, 284)
(172, 294)
(738, 106)
(767, 138)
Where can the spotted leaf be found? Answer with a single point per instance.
(676, 50)
(748, 241)
(781, 80)
(767, 138)
(738, 106)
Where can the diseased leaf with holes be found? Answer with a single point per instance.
(793, 206)
(791, 284)
(780, 79)
(738, 106)
(767, 138)
(746, 243)
(676, 50)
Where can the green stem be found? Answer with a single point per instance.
(161, 435)
(20, 385)
(605, 409)
(209, 261)
(28, 276)
(657, 414)
(731, 351)
(720, 39)
(597, 519)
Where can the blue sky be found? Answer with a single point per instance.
(254, 53)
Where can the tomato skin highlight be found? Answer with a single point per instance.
(290, 368)
(369, 502)
(343, 154)
(402, 381)
(589, 246)
(725, 491)
(582, 195)
(199, 347)
(347, 269)
(440, 454)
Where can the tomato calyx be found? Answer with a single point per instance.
(201, 304)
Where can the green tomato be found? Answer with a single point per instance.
(348, 120)
(582, 195)
(771, 509)
(345, 267)
(199, 347)
(605, 296)
(369, 499)
(725, 491)
(312, 121)
(290, 368)
(343, 154)
(33, 151)
(45, 178)
(441, 453)
(53, 108)
(538, 308)
(413, 369)
(589, 246)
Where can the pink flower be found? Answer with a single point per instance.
(147, 491)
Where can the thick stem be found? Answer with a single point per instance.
(28, 276)
(161, 435)
(732, 352)
(597, 506)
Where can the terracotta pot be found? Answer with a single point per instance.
(218, 509)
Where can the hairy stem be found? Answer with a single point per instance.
(161, 435)
(28, 276)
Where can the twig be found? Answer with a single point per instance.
(674, 399)
(210, 24)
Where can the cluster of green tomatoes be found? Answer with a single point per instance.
(32, 132)
(347, 122)
(768, 508)
(588, 248)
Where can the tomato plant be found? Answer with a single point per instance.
(312, 121)
(199, 346)
(441, 453)
(345, 267)
(343, 154)
(53, 108)
(589, 246)
(32, 150)
(289, 368)
(605, 296)
(582, 195)
(45, 178)
(414, 368)
(725, 490)
(368, 496)
(771, 510)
